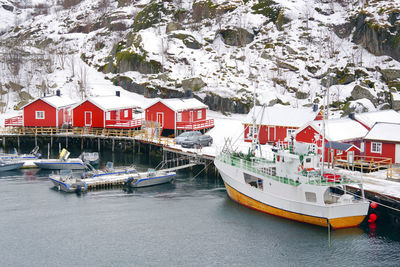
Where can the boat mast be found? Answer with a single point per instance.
(323, 130)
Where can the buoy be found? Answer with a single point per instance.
(372, 218)
(373, 205)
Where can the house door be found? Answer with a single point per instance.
(88, 118)
(350, 157)
(271, 135)
(397, 156)
(160, 119)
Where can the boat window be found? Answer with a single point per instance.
(311, 197)
(253, 181)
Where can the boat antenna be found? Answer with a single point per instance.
(254, 126)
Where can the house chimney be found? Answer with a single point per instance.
(188, 93)
(118, 93)
(44, 94)
(352, 116)
(58, 92)
(315, 108)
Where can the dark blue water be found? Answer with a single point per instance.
(191, 222)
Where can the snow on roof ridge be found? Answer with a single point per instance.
(384, 131)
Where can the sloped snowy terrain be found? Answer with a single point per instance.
(50, 45)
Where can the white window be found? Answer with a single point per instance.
(108, 115)
(126, 113)
(339, 152)
(290, 132)
(199, 114)
(40, 115)
(376, 147)
(179, 117)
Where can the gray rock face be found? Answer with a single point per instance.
(390, 74)
(379, 40)
(236, 37)
(188, 40)
(285, 65)
(193, 84)
(360, 92)
(302, 95)
(8, 7)
(173, 26)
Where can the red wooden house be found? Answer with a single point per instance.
(179, 114)
(344, 131)
(383, 140)
(107, 112)
(48, 111)
(277, 123)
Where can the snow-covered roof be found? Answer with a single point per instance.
(339, 129)
(177, 104)
(340, 146)
(370, 118)
(384, 132)
(279, 115)
(55, 101)
(112, 102)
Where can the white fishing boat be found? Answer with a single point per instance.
(62, 163)
(150, 178)
(290, 183)
(10, 165)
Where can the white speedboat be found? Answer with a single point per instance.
(150, 178)
(65, 181)
(27, 159)
(10, 165)
(62, 163)
(290, 184)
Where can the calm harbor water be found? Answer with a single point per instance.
(191, 222)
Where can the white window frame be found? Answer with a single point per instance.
(39, 115)
(290, 132)
(376, 147)
(108, 115)
(179, 117)
(126, 113)
(199, 114)
(339, 152)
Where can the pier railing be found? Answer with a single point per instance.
(142, 135)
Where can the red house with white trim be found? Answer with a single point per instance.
(383, 140)
(179, 114)
(278, 123)
(107, 112)
(342, 130)
(48, 111)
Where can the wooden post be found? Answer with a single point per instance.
(51, 141)
(48, 150)
(113, 144)
(82, 140)
(98, 144)
(18, 142)
(4, 141)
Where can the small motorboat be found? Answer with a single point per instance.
(10, 165)
(62, 163)
(150, 178)
(34, 154)
(65, 181)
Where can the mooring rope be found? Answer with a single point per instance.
(205, 166)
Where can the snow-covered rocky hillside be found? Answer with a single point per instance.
(287, 52)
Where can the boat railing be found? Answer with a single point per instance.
(260, 166)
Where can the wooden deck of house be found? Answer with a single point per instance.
(363, 163)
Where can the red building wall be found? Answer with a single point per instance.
(50, 114)
(388, 150)
(79, 115)
(169, 115)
